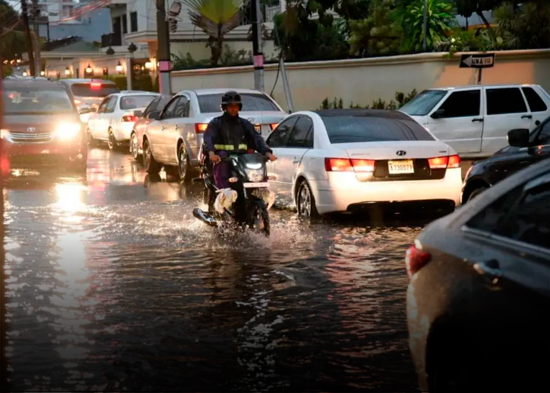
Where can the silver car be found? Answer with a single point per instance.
(88, 94)
(175, 134)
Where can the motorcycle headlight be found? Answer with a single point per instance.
(67, 131)
(255, 175)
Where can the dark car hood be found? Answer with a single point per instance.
(508, 150)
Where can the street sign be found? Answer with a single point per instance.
(486, 60)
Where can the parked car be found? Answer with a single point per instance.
(343, 160)
(478, 302)
(474, 120)
(88, 94)
(115, 118)
(42, 126)
(525, 149)
(174, 139)
(143, 120)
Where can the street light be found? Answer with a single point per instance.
(149, 65)
(89, 69)
(25, 73)
(67, 71)
(42, 73)
(119, 68)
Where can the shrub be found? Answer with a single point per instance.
(400, 100)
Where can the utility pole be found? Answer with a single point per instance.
(425, 27)
(25, 16)
(36, 28)
(257, 45)
(165, 65)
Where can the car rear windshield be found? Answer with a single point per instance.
(36, 100)
(423, 103)
(133, 102)
(354, 129)
(211, 103)
(95, 89)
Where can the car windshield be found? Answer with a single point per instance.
(423, 103)
(133, 102)
(354, 129)
(94, 89)
(33, 99)
(211, 103)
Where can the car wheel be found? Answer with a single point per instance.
(90, 139)
(111, 141)
(172, 171)
(452, 370)
(476, 193)
(134, 148)
(184, 167)
(151, 165)
(305, 201)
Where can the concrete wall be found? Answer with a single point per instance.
(365, 80)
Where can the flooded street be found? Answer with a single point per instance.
(112, 285)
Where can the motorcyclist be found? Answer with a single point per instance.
(230, 133)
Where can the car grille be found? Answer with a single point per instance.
(31, 138)
(422, 171)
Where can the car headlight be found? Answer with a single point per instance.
(255, 175)
(68, 131)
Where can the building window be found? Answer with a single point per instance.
(124, 24)
(133, 22)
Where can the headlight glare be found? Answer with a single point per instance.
(68, 131)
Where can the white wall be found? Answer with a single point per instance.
(364, 80)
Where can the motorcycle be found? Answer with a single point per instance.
(249, 181)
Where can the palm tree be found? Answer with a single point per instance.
(216, 18)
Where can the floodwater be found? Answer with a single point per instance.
(112, 285)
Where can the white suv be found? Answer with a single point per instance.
(475, 120)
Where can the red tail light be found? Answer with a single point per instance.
(415, 260)
(273, 126)
(346, 165)
(438, 162)
(129, 118)
(200, 128)
(4, 165)
(95, 85)
(454, 162)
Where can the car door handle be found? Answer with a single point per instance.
(526, 117)
(477, 120)
(490, 269)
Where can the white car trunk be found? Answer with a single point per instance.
(396, 150)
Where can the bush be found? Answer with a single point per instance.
(400, 100)
(120, 80)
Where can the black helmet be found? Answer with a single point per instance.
(231, 97)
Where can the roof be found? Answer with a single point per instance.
(82, 80)
(471, 86)
(201, 92)
(363, 113)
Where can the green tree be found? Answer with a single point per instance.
(378, 34)
(527, 27)
(216, 18)
(440, 22)
(12, 38)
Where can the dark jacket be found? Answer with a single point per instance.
(228, 133)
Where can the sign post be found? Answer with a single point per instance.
(479, 61)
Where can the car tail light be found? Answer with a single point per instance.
(363, 165)
(346, 165)
(201, 128)
(338, 165)
(416, 259)
(95, 85)
(4, 165)
(438, 162)
(129, 118)
(454, 162)
(273, 126)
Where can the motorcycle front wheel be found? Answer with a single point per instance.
(260, 220)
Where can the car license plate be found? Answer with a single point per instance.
(256, 185)
(401, 167)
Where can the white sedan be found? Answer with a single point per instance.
(115, 118)
(342, 160)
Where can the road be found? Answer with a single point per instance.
(112, 285)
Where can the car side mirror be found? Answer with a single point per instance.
(138, 113)
(518, 137)
(154, 115)
(84, 110)
(438, 114)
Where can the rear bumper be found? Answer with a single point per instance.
(343, 192)
(123, 131)
(38, 155)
